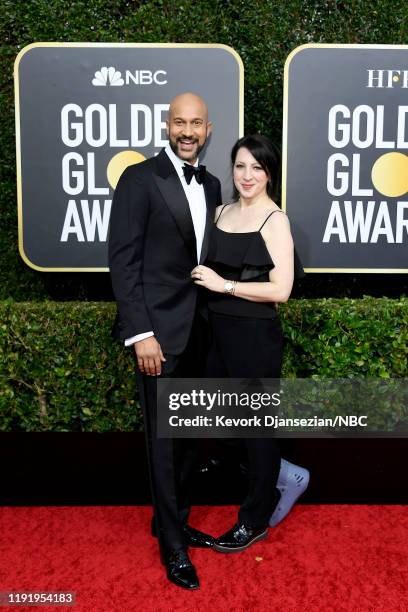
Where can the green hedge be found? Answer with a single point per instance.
(262, 31)
(61, 371)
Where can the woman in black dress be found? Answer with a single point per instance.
(249, 269)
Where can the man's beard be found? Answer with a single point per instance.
(192, 156)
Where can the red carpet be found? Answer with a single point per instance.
(328, 558)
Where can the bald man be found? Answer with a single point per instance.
(162, 212)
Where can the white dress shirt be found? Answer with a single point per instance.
(198, 208)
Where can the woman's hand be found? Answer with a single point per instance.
(206, 277)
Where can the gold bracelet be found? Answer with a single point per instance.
(229, 287)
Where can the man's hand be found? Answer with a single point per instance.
(149, 356)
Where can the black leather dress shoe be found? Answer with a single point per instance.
(197, 539)
(180, 570)
(239, 538)
(193, 537)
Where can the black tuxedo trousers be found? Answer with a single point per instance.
(172, 461)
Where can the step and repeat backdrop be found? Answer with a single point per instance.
(86, 111)
(345, 156)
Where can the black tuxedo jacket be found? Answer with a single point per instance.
(152, 250)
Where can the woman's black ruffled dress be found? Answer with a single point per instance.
(246, 342)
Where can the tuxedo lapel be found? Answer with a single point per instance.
(211, 201)
(173, 194)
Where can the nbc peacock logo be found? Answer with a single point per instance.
(108, 76)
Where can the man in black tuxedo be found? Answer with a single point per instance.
(162, 212)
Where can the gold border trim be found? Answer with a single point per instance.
(28, 48)
(289, 58)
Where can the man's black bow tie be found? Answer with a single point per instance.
(198, 172)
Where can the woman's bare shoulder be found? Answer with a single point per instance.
(276, 224)
(221, 207)
(270, 218)
(225, 204)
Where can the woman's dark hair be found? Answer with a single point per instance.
(266, 154)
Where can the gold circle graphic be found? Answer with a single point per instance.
(119, 163)
(390, 174)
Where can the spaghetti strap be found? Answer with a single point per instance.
(270, 215)
(221, 211)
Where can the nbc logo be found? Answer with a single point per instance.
(108, 76)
